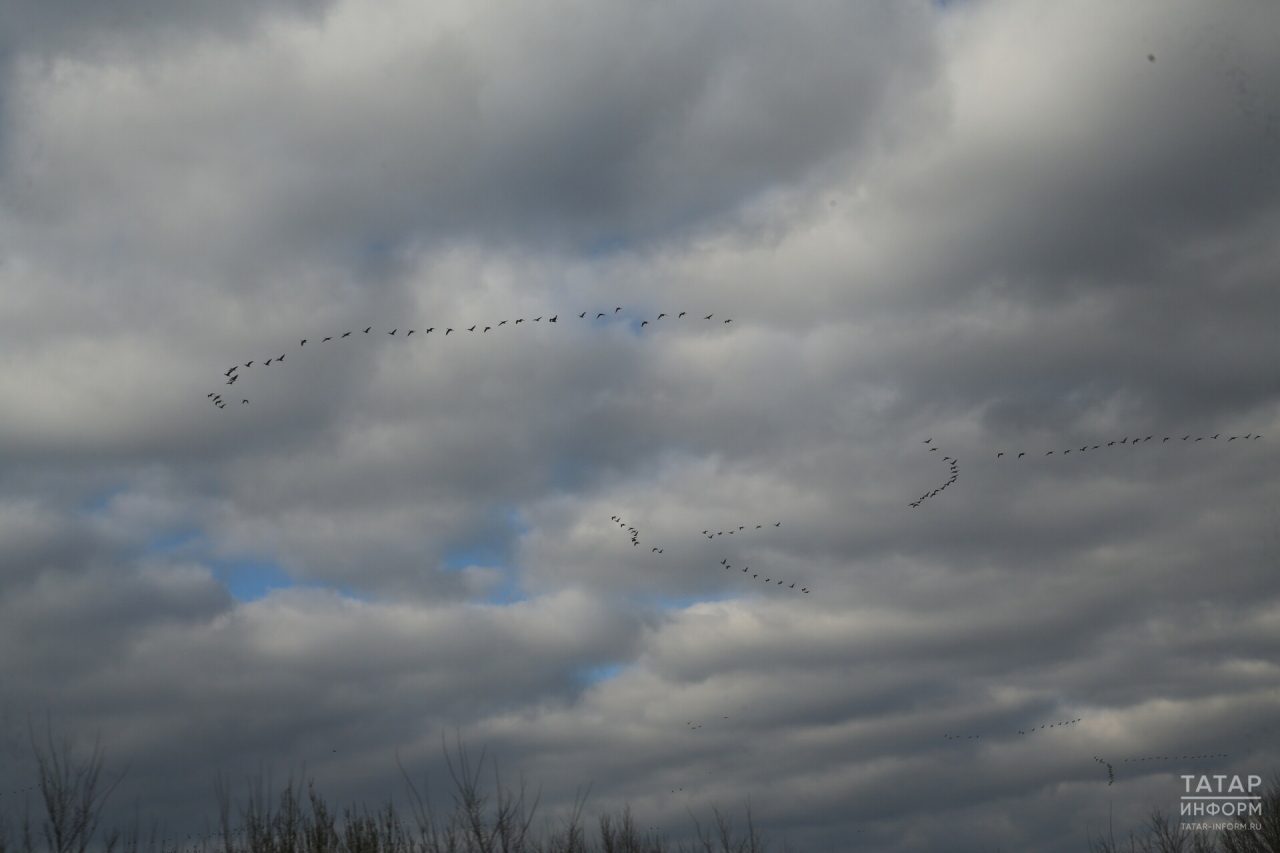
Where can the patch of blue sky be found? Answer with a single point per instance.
(179, 539)
(493, 547)
(99, 503)
(589, 675)
(509, 591)
(249, 579)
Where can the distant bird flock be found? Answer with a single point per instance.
(233, 373)
(769, 577)
(1127, 441)
(1021, 732)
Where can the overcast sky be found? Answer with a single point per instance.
(942, 232)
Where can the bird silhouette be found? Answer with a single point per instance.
(660, 316)
(393, 331)
(616, 310)
(447, 331)
(327, 339)
(583, 314)
(518, 322)
(553, 319)
(410, 332)
(643, 324)
(344, 334)
(248, 363)
(681, 314)
(486, 328)
(472, 329)
(708, 317)
(304, 343)
(366, 331)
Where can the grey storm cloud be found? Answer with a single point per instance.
(941, 232)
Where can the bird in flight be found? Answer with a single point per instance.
(681, 314)
(472, 329)
(411, 331)
(366, 331)
(643, 324)
(247, 364)
(583, 314)
(598, 316)
(327, 339)
(616, 310)
(393, 331)
(447, 331)
(708, 317)
(304, 343)
(486, 328)
(553, 319)
(344, 334)
(660, 316)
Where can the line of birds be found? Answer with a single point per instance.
(1026, 732)
(710, 535)
(231, 374)
(19, 791)
(1111, 773)
(634, 534)
(955, 475)
(1136, 441)
(1177, 757)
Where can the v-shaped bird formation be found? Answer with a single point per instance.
(768, 577)
(1126, 442)
(234, 373)
(953, 475)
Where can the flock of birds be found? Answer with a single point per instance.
(1021, 732)
(634, 534)
(1130, 441)
(233, 373)
(955, 475)
(1136, 441)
